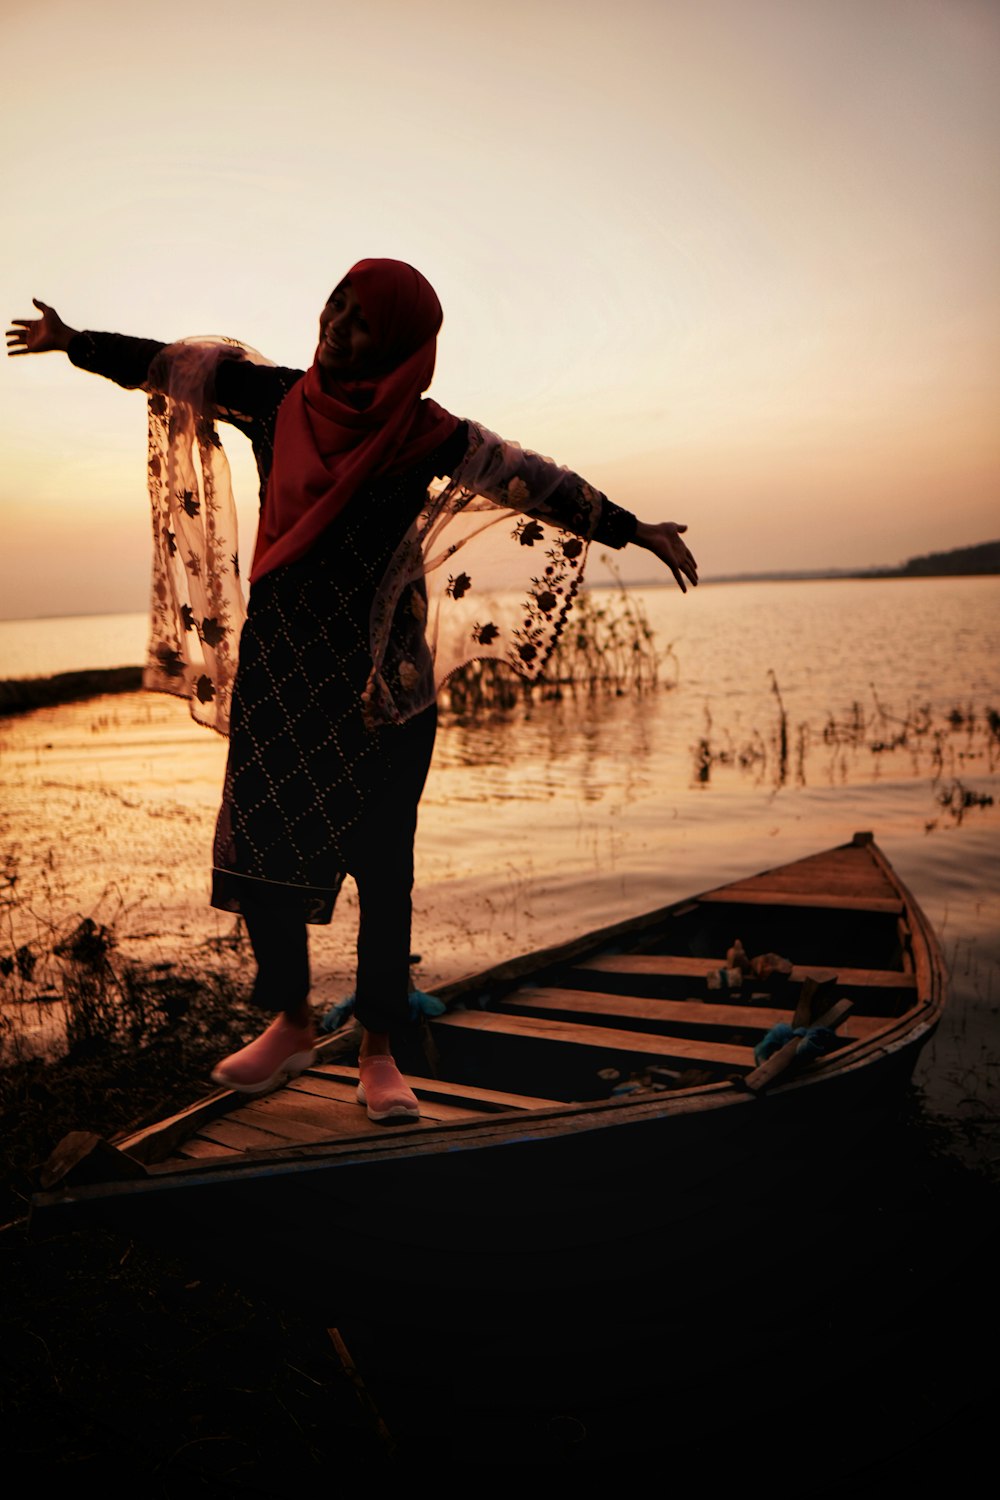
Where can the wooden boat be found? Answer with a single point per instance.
(604, 1089)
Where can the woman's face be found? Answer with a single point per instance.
(346, 348)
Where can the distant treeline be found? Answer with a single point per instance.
(18, 695)
(958, 563)
(984, 558)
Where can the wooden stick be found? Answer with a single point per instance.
(779, 1061)
(351, 1370)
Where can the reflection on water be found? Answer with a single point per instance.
(535, 751)
(571, 814)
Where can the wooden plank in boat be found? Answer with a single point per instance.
(340, 1114)
(818, 885)
(154, 1143)
(875, 992)
(666, 1013)
(292, 1121)
(669, 965)
(313, 1108)
(197, 1149)
(749, 894)
(304, 1118)
(228, 1132)
(819, 880)
(659, 965)
(847, 859)
(340, 1093)
(434, 1088)
(333, 1119)
(602, 1039)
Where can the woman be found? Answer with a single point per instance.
(350, 626)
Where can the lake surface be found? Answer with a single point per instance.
(789, 716)
(71, 643)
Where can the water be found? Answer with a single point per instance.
(41, 648)
(578, 813)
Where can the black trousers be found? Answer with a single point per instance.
(378, 852)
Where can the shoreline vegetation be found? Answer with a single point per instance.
(19, 695)
(140, 1042)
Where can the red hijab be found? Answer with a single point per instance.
(328, 444)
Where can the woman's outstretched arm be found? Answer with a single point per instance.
(245, 394)
(116, 356)
(525, 481)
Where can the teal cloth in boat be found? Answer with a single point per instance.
(420, 1005)
(815, 1041)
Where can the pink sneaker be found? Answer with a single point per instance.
(283, 1051)
(384, 1091)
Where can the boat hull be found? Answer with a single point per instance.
(534, 1203)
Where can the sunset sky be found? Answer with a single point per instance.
(736, 261)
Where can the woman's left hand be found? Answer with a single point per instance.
(665, 542)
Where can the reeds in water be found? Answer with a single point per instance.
(938, 745)
(608, 648)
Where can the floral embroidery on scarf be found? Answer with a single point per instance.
(469, 514)
(459, 586)
(197, 601)
(528, 533)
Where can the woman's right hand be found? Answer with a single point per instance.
(666, 543)
(38, 335)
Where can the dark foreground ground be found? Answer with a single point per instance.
(844, 1343)
(838, 1334)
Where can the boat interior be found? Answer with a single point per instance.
(652, 1006)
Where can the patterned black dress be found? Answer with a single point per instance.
(311, 792)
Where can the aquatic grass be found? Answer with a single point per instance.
(956, 799)
(781, 733)
(125, 1043)
(49, 958)
(70, 974)
(941, 745)
(803, 744)
(608, 649)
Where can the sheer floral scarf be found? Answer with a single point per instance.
(521, 524)
(489, 569)
(197, 608)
